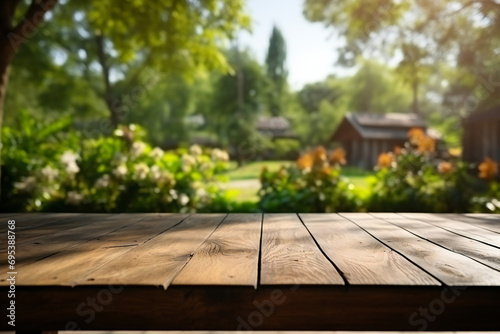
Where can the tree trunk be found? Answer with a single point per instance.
(109, 95)
(11, 38)
(415, 107)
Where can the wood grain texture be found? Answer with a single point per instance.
(464, 229)
(230, 256)
(32, 230)
(69, 266)
(26, 221)
(467, 230)
(486, 221)
(44, 246)
(267, 308)
(290, 256)
(476, 250)
(451, 268)
(159, 260)
(361, 258)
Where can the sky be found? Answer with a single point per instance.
(311, 54)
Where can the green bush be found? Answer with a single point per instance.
(411, 179)
(60, 172)
(313, 185)
(286, 149)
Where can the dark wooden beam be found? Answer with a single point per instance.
(385, 308)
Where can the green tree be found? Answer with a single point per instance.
(181, 37)
(423, 34)
(276, 69)
(235, 106)
(375, 88)
(323, 105)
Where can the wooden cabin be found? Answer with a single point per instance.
(482, 135)
(275, 128)
(364, 136)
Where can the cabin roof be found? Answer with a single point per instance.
(380, 126)
(273, 124)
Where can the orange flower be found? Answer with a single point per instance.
(445, 167)
(319, 154)
(426, 144)
(398, 150)
(415, 134)
(338, 156)
(326, 171)
(385, 160)
(488, 169)
(306, 161)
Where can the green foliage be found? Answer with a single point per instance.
(490, 201)
(287, 149)
(49, 170)
(231, 116)
(276, 69)
(412, 180)
(375, 88)
(313, 185)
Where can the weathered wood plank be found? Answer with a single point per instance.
(488, 222)
(29, 234)
(476, 250)
(69, 266)
(230, 256)
(290, 256)
(26, 221)
(466, 230)
(159, 260)
(451, 268)
(236, 308)
(48, 245)
(361, 258)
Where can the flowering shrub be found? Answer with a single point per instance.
(412, 179)
(314, 184)
(490, 200)
(113, 174)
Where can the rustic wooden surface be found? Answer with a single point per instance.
(347, 271)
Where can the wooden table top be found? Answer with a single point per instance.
(347, 271)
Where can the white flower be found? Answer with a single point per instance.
(74, 198)
(206, 165)
(137, 149)
(49, 173)
(68, 158)
(202, 194)
(72, 169)
(141, 171)
(219, 155)
(118, 132)
(102, 182)
(183, 199)
(156, 153)
(195, 150)
(156, 173)
(120, 171)
(173, 194)
(187, 162)
(27, 184)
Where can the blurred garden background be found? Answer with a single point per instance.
(250, 106)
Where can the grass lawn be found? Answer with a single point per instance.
(244, 181)
(358, 177)
(252, 170)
